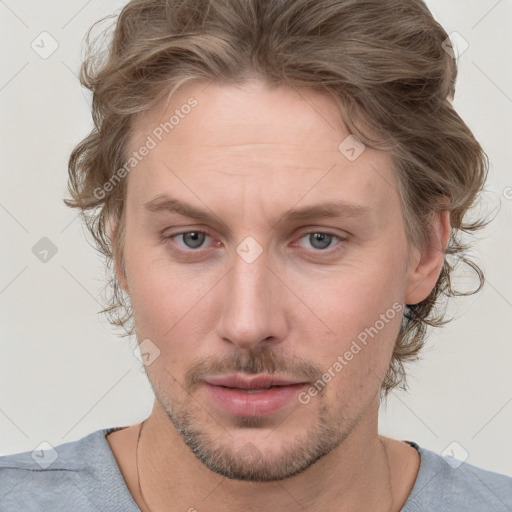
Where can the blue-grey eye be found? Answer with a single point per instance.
(320, 240)
(193, 239)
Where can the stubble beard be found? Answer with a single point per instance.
(251, 463)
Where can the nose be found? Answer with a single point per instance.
(253, 304)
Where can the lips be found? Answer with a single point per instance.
(257, 395)
(255, 382)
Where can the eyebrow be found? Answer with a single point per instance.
(331, 209)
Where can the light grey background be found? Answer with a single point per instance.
(63, 373)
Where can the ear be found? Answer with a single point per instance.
(119, 269)
(426, 263)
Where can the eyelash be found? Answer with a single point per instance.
(169, 238)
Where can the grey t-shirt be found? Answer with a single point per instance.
(85, 477)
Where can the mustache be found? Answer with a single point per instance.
(259, 360)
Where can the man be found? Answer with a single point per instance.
(268, 181)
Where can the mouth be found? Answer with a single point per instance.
(251, 382)
(257, 395)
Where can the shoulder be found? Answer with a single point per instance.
(448, 484)
(82, 475)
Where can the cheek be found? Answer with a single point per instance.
(161, 293)
(163, 302)
(355, 359)
(361, 309)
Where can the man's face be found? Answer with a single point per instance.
(251, 289)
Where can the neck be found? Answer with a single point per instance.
(355, 476)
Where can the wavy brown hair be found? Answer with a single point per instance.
(383, 61)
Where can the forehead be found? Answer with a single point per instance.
(257, 142)
(228, 114)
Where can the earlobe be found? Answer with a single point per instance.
(427, 262)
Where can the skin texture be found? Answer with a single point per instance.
(247, 155)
